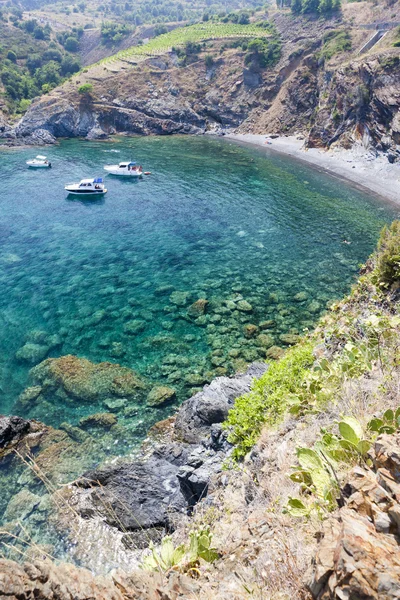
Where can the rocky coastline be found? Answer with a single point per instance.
(138, 500)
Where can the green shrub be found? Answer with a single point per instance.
(86, 88)
(285, 382)
(387, 258)
(12, 56)
(335, 42)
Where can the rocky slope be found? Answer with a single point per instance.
(344, 100)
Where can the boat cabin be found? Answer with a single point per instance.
(131, 166)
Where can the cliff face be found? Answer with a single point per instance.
(360, 101)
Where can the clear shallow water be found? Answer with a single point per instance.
(215, 220)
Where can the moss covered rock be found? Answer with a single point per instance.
(80, 379)
(160, 395)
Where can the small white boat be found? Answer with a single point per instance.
(87, 187)
(40, 162)
(125, 169)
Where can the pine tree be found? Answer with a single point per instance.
(296, 7)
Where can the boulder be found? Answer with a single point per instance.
(198, 308)
(12, 429)
(211, 405)
(358, 553)
(80, 379)
(140, 495)
(45, 580)
(160, 395)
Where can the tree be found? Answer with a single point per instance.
(50, 73)
(309, 6)
(12, 56)
(71, 44)
(34, 62)
(38, 33)
(69, 65)
(52, 54)
(296, 7)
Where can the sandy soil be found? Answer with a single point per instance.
(358, 165)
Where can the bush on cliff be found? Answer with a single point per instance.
(284, 381)
(387, 258)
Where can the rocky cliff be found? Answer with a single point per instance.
(343, 99)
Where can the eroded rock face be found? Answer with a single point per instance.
(80, 379)
(43, 580)
(12, 429)
(360, 103)
(359, 554)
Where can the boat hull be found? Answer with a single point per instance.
(127, 174)
(33, 166)
(86, 194)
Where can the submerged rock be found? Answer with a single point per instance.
(250, 330)
(179, 298)
(198, 308)
(134, 327)
(80, 379)
(244, 306)
(104, 420)
(275, 352)
(290, 339)
(160, 395)
(32, 353)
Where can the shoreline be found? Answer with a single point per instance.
(357, 166)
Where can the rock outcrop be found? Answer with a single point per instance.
(151, 493)
(44, 580)
(360, 102)
(359, 555)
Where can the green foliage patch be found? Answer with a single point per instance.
(285, 382)
(193, 34)
(184, 558)
(387, 260)
(335, 42)
(316, 474)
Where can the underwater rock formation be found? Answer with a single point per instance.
(80, 379)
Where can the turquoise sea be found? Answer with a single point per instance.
(214, 220)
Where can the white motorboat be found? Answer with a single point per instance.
(40, 162)
(87, 187)
(125, 169)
